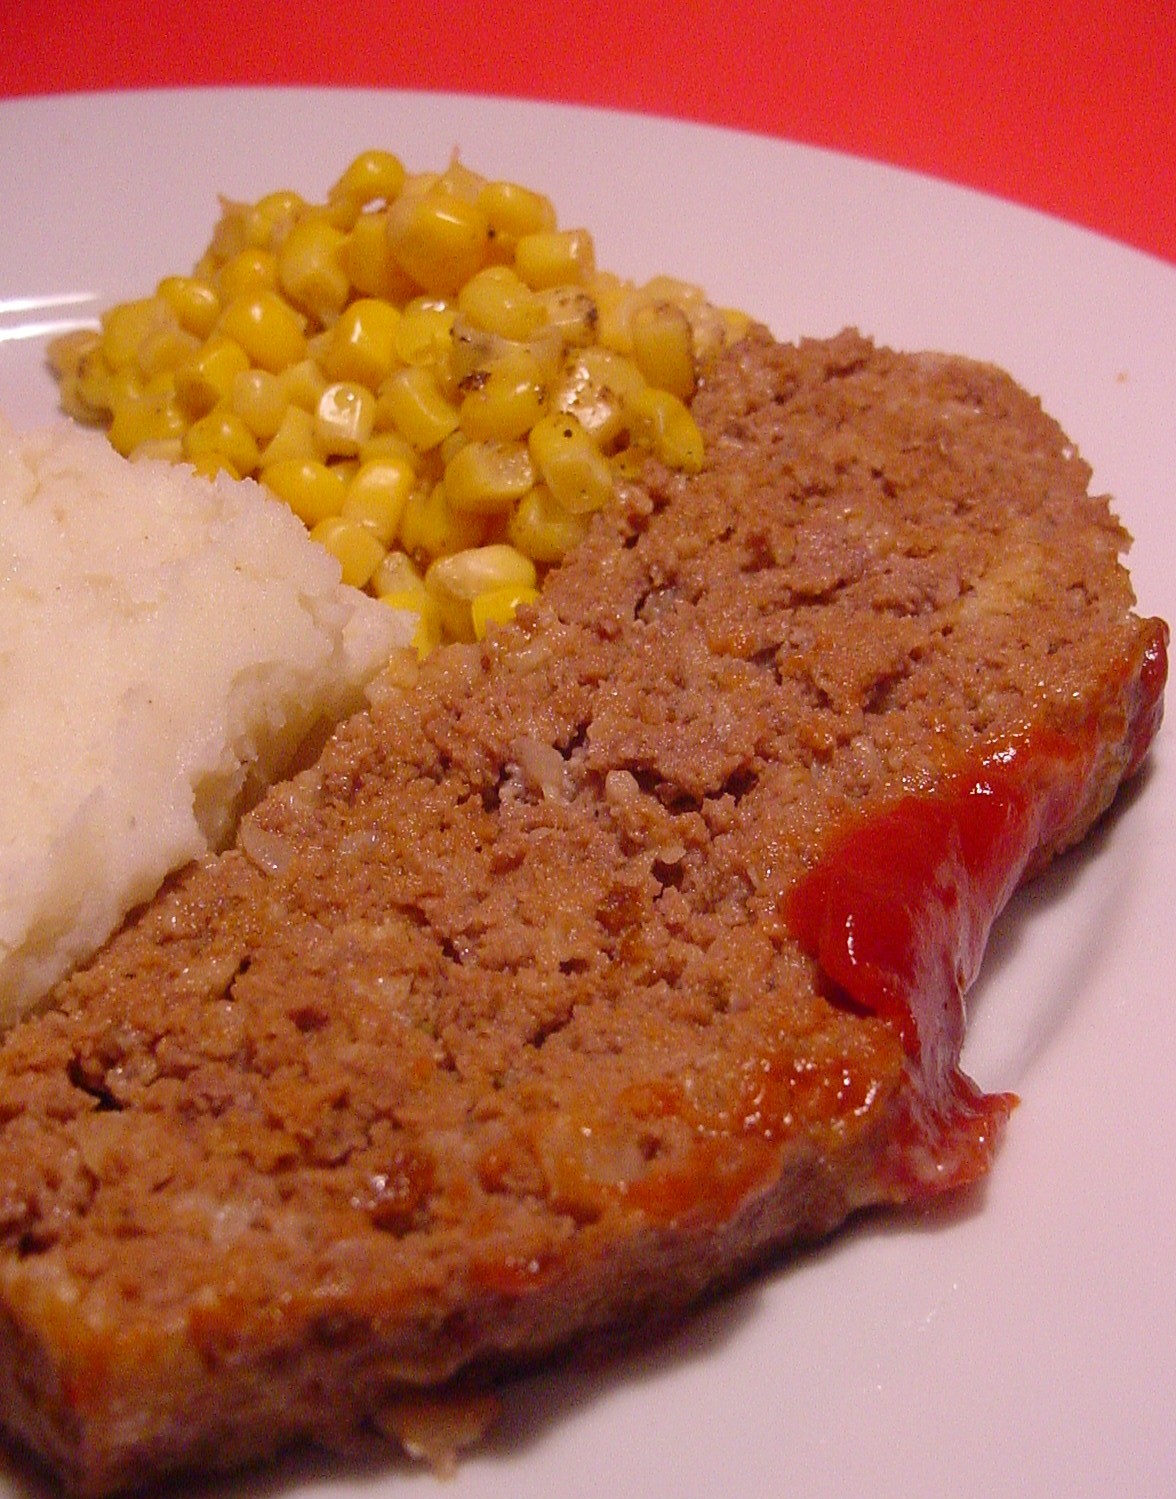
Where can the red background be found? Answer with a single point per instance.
(1067, 107)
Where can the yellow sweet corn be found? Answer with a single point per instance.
(367, 258)
(505, 400)
(259, 399)
(372, 176)
(146, 414)
(362, 343)
(428, 633)
(224, 436)
(668, 427)
(124, 328)
(555, 257)
(485, 478)
(310, 267)
(438, 239)
(377, 493)
(573, 468)
(456, 581)
(513, 210)
(294, 439)
(424, 331)
(398, 574)
(344, 418)
(208, 375)
(411, 401)
(663, 347)
(497, 606)
(430, 527)
(251, 269)
(267, 328)
(423, 366)
(195, 303)
(542, 529)
(355, 547)
(311, 489)
(497, 300)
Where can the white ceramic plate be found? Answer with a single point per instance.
(1022, 1342)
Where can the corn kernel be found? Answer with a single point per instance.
(460, 181)
(303, 384)
(224, 434)
(164, 348)
(344, 418)
(571, 311)
(311, 489)
(572, 467)
(507, 401)
(228, 236)
(663, 348)
(257, 224)
(411, 401)
(666, 426)
(427, 634)
(371, 267)
(397, 573)
(514, 210)
(485, 478)
(542, 529)
(362, 343)
(276, 212)
(423, 332)
(341, 213)
(125, 326)
(66, 351)
(194, 302)
(293, 439)
(734, 324)
(356, 549)
(456, 580)
(258, 398)
(251, 269)
(149, 415)
(266, 327)
(594, 387)
(555, 257)
(206, 378)
(372, 176)
(310, 268)
(99, 388)
(377, 494)
(438, 239)
(163, 450)
(498, 606)
(430, 527)
(388, 444)
(498, 301)
(209, 465)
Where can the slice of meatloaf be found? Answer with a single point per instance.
(596, 962)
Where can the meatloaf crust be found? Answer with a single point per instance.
(509, 1022)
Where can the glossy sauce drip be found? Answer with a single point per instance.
(898, 910)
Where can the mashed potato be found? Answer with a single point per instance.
(166, 645)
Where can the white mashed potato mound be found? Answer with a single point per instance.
(166, 645)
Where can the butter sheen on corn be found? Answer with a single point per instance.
(425, 367)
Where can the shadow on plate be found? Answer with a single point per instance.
(1024, 1021)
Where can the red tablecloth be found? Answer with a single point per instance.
(1066, 105)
